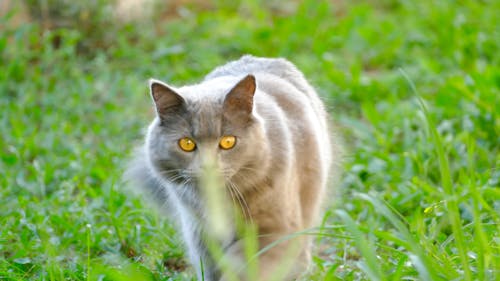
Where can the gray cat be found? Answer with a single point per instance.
(263, 128)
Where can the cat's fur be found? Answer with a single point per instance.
(280, 163)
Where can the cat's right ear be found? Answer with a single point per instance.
(164, 97)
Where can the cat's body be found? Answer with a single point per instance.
(278, 161)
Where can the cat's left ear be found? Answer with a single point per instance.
(164, 97)
(238, 104)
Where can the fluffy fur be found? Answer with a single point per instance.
(276, 173)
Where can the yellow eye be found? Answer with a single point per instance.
(187, 144)
(227, 142)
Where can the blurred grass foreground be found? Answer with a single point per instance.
(413, 86)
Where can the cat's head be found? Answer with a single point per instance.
(212, 123)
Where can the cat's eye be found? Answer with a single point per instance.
(227, 142)
(187, 144)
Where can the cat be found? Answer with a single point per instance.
(265, 130)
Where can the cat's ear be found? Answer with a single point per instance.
(238, 103)
(164, 97)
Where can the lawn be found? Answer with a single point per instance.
(412, 86)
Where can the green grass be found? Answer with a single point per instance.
(414, 87)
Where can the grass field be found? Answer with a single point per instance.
(414, 87)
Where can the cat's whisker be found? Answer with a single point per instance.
(174, 175)
(171, 172)
(185, 187)
(243, 202)
(231, 187)
(248, 184)
(174, 178)
(231, 193)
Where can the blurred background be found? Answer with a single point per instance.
(412, 86)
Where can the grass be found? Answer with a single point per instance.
(414, 87)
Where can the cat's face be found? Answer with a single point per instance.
(206, 126)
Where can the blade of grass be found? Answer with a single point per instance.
(481, 240)
(371, 266)
(88, 226)
(446, 181)
(419, 257)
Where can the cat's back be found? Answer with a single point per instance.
(278, 67)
